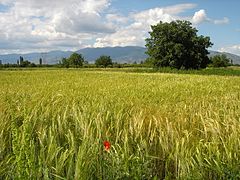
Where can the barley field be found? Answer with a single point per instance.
(53, 125)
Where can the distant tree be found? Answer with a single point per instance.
(103, 61)
(176, 44)
(32, 65)
(0, 62)
(220, 61)
(76, 60)
(116, 65)
(65, 62)
(21, 61)
(25, 64)
(40, 61)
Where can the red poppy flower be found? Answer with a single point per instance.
(107, 145)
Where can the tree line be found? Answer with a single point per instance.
(77, 60)
(106, 61)
(22, 63)
(74, 61)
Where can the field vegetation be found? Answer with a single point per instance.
(54, 124)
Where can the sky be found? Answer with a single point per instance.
(45, 25)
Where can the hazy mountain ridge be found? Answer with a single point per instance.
(51, 57)
(128, 54)
(234, 57)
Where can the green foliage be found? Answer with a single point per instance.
(25, 63)
(177, 45)
(75, 60)
(220, 61)
(230, 71)
(104, 61)
(65, 62)
(40, 61)
(21, 60)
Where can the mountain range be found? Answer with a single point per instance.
(127, 54)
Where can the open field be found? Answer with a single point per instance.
(160, 125)
(227, 71)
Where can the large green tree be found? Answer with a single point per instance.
(176, 44)
(104, 61)
(76, 60)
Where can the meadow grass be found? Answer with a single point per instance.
(160, 126)
(227, 71)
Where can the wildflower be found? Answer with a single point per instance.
(107, 145)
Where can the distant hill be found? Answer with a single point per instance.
(51, 57)
(234, 57)
(128, 54)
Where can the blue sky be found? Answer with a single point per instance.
(30, 26)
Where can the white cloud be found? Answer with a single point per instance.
(153, 16)
(179, 8)
(32, 25)
(129, 36)
(235, 49)
(73, 23)
(200, 16)
(225, 20)
(136, 32)
(116, 18)
(6, 2)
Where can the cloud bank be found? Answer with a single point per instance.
(235, 49)
(33, 25)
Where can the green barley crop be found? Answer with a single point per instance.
(160, 126)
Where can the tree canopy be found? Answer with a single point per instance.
(176, 44)
(25, 63)
(220, 61)
(75, 60)
(104, 61)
